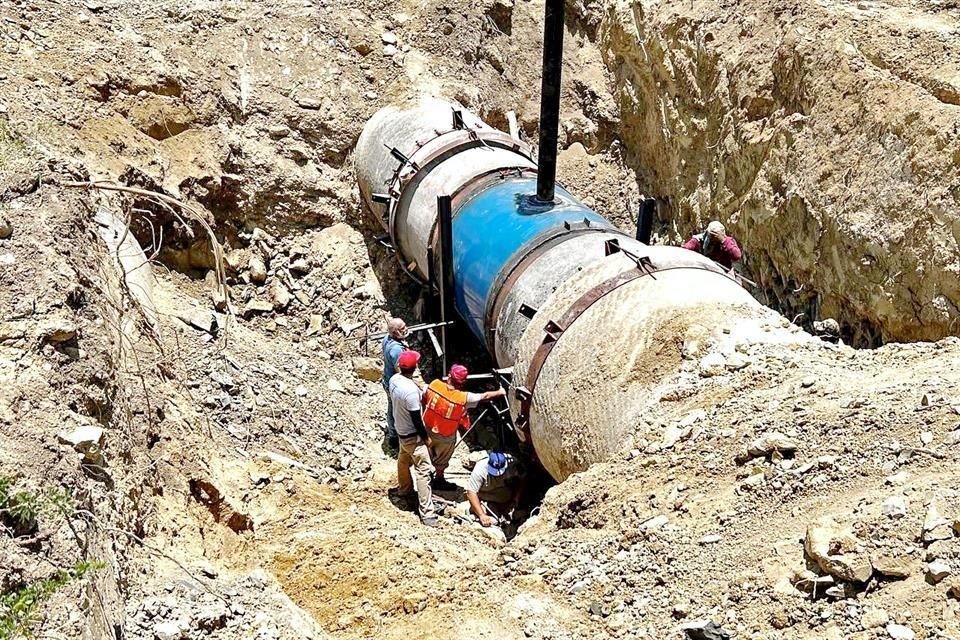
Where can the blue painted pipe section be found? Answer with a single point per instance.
(491, 228)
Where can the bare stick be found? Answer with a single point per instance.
(169, 201)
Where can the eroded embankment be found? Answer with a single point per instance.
(826, 137)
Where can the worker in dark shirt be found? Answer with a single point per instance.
(716, 245)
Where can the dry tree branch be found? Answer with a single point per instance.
(171, 203)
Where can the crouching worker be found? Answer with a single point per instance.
(445, 406)
(716, 245)
(414, 440)
(496, 486)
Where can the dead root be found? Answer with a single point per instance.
(175, 206)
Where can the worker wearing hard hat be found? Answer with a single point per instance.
(716, 245)
(495, 487)
(413, 437)
(445, 407)
(392, 346)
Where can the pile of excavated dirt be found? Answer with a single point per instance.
(226, 469)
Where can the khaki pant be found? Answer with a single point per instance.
(442, 451)
(414, 453)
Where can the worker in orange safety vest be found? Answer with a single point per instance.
(445, 406)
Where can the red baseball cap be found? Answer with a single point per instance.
(458, 374)
(408, 360)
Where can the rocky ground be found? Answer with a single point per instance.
(225, 468)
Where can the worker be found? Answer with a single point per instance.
(393, 345)
(445, 407)
(413, 437)
(827, 329)
(716, 245)
(497, 480)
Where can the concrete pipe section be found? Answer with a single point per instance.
(588, 317)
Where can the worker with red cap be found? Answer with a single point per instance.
(445, 406)
(413, 437)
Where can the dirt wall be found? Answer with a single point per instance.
(825, 136)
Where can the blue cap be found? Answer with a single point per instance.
(496, 463)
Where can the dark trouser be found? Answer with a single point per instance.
(391, 424)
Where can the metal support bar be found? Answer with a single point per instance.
(512, 124)
(612, 246)
(445, 219)
(648, 207)
(440, 351)
(396, 153)
(384, 241)
(410, 330)
(550, 99)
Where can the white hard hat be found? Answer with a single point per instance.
(715, 228)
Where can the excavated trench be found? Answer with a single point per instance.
(671, 118)
(782, 287)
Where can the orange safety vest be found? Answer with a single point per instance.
(444, 408)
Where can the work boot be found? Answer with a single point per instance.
(430, 522)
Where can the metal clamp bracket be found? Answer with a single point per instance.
(554, 329)
(425, 154)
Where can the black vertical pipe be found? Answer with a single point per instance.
(445, 218)
(645, 219)
(550, 99)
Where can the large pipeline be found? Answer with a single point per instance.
(591, 320)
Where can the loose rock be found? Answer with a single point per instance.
(713, 364)
(900, 632)
(766, 445)
(305, 102)
(937, 571)
(655, 523)
(300, 267)
(315, 326)
(257, 270)
(874, 617)
(704, 630)
(167, 631)
(414, 602)
(83, 438)
(936, 527)
(279, 296)
(894, 507)
(257, 306)
(63, 331)
(368, 369)
(822, 543)
(278, 132)
(893, 567)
